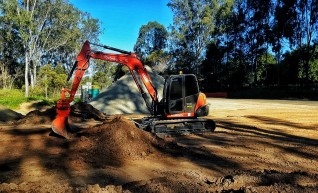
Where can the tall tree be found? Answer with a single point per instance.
(258, 20)
(152, 40)
(191, 31)
(229, 37)
(307, 26)
(44, 27)
(10, 54)
(282, 29)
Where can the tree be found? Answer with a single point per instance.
(104, 73)
(10, 54)
(258, 22)
(191, 31)
(51, 79)
(307, 30)
(152, 40)
(212, 69)
(46, 28)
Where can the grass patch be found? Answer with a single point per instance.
(43, 100)
(12, 98)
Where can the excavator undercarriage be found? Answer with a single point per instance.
(177, 126)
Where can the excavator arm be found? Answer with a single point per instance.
(129, 59)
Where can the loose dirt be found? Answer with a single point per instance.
(258, 146)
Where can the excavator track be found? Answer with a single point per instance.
(178, 126)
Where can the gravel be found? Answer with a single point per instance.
(123, 96)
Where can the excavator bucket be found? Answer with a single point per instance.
(60, 124)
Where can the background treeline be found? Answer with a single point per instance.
(235, 44)
(228, 44)
(39, 41)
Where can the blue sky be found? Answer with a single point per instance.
(122, 19)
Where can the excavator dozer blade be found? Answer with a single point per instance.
(60, 124)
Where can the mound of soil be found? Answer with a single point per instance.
(86, 111)
(114, 142)
(8, 115)
(79, 112)
(38, 117)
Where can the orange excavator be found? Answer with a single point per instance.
(179, 111)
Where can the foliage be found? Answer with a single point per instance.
(191, 32)
(160, 60)
(45, 31)
(151, 42)
(120, 71)
(104, 74)
(257, 43)
(51, 80)
(229, 44)
(313, 71)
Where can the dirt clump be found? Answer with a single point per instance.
(38, 117)
(112, 143)
(8, 115)
(80, 111)
(86, 111)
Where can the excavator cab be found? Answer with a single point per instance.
(182, 95)
(182, 105)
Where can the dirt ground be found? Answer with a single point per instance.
(258, 146)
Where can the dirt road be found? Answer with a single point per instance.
(258, 146)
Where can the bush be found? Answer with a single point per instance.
(37, 91)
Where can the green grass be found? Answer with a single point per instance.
(12, 98)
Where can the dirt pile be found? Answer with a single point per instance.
(8, 115)
(86, 111)
(38, 117)
(79, 112)
(123, 96)
(26, 107)
(112, 143)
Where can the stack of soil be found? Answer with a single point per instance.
(79, 112)
(86, 111)
(123, 96)
(8, 115)
(114, 142)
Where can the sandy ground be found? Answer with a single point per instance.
(258, 146)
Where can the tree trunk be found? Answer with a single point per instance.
(46, 87)
(26, 80)
(35, 69)
(34, 75)
(32, 79)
